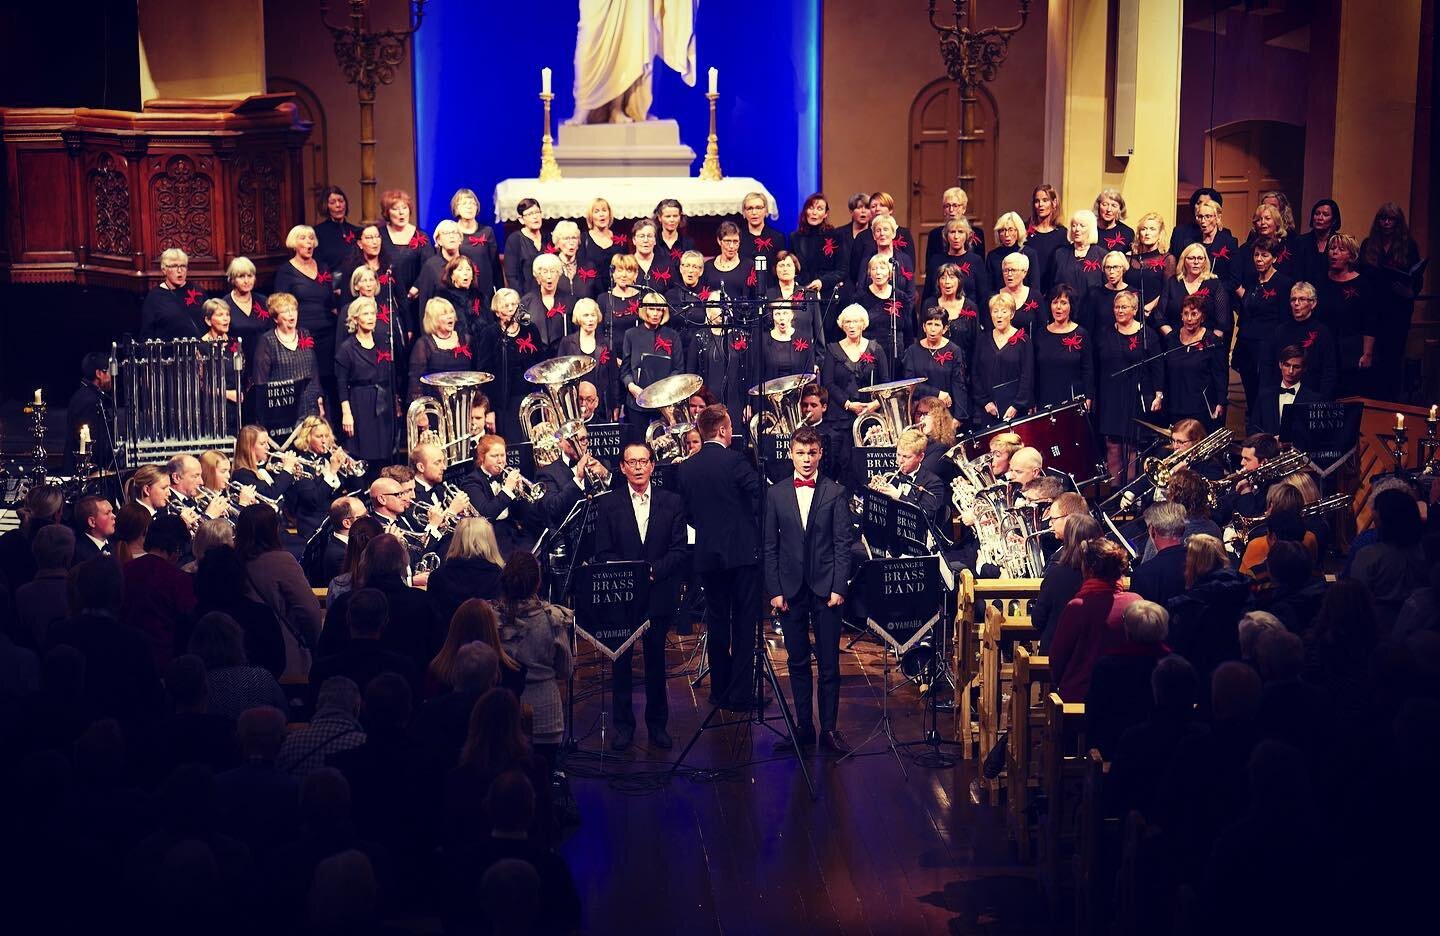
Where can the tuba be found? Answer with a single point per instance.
(668, 396)
(542, 413)
(783, 411)
(1159, 470)
(892, 418)
(446, 419)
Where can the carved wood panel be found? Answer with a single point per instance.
(182, 204)
(109, 196)
(258, 199)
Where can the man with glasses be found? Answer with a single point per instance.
(392, 495)
(172, 309)
(642, 523)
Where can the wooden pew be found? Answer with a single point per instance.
(1062, 776)
(1095, 858)
(1002, 610)
(1029, 686)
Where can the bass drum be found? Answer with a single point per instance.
(1063, 435)
(1005, 539)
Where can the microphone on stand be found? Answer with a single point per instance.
(762, 266)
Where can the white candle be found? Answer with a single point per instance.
(714, 81)
(1432, 412)
(1399, 422)
(38, 399)
(544, 81)
(84, 434)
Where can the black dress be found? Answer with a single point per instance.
(1042, 246)
(1148, 276)
(688, 307)
(605, 376)
(430, 281)
(403, 261)
(822, 256)
(1119, 237)
(805, 307)
(1322, 365)
(1081, 273)
(862, 248)
(738, 283)
(1196, 378)
(962, 328)
(1348, 308)
(172, 313)
(891, 321)
(1224, 252)
(902, 271)
(795, 355)
(726, 362)
(935, 244)
(484, 255)
(1263, 308)
(363, 377)
(520, 254)
(582, 283)
(275, 363)
(649, 355)
(1064, 366)
(683, 242)
(843, 378)
(974, 276)
(599, 257)
(516, 352)
(1028, 314)
(1118, 400)
(660, 275)
(617, 316)
(248, 326)
(945, 369)
(767, 243)
(996, 258)
(550, 316)
(1218, 314)
(334, 241)
(427, 357)
(317, 308)
(1004, 376)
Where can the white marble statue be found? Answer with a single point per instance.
(615, 52)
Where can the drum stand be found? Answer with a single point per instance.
(764, 672)
(700, 660)
(883, 725)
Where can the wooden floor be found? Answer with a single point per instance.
(750, 852)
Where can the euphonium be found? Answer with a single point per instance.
(892, 418)
(450, 414)
(668, 396)
(783, 415)
(1160, 469)
(1287, 462)
(557, 404)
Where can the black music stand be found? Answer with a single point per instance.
(611, 600)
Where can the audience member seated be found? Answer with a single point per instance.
(471, 569)
(1144, 750)
(335, 727)
(364, 657)
(1394, 565)
(474, 620)
(511, 804)
(362, 531)
(120, 680)
(45, 599)
(1188, 489)
(1092, 622)
(1291, 709)
(259, 802)
(43, 505)
(220, 586)
(1120, 695)
(1062, 577)
(412, 632)
(1283, 521)
(1295, 592)
(159, 597)
(1254, 625)
(210, 533)
(1162, 576)
(190, 733)
(495, 743)
(53, 716)
(1203, 620)
(444, 721)
(234, 685)
(276, 579)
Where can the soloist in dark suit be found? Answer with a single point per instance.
(1264, 416)
(722, 497)
(804, 563)
(617, 539)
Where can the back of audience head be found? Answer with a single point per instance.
(1279, 655)
(218, 641)
(510, 894)
(220, 578)
(362, 531)
(1146, 622)
(1278, 779)
(1189, 490)
(98, 584)
(510, 803)
(325, 797)
(1347, 614)
(99, 753)
(1234, 692)
(474, 620)
(187, 800)
(520, 579)
(367, 613)
(338, 692)
(343, 895)
(185, 682)
(257, 531)
(476, 669)
(389, 703)
(1175, 685)
(1079, 530)
(1104, 560)
(167, 534)
(210, 535)
(1289, 564)
(495, 738)
(385, 558)
(62, 672)
(261, 732)
(53, 547)
(1397, 518)
(1254, 625)
(1166, 521)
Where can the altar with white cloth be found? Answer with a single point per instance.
(629, 197)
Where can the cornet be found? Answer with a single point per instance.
(525, 489)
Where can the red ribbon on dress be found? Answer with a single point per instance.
(1135, 341)
(525, 344)
(664, 344)
(740, 344)
(828, 248)
(1016, 338)
(1350, 292)
(1072, 342)
(557, 309)
(944, 357)
(324, 276)
(418, 240)
(604, 355)
(867, 357)
(1089, 266)
(586, 273)
(193, 296)
(661, 275)
(479, 240)
(1223, 253)
(262, 311)
(462, 350)
(631, 308)
(349, 237)
(621, 239)
(764, 243)
(800, 344)
(382, 356)
(1116, 241)
(704, 293)
(306, 342)
(1309, 339)
(751, 279)
(901, 242)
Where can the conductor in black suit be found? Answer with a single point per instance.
(1271, 401)
(640, 522)
(807, 537)
(722, 501)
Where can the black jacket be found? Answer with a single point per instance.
(458, 580)
(617, 539)
(722, 500)
(815, 555)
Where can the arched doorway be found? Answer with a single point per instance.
(315, 156)
(1249, 157)
(935, 134)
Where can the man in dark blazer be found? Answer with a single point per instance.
(494, 495)
(1271, 400)
(722, 502)
(1162, 576)
(640, 522)
(807, 537)
(564, 479)
(90, 406)
(94, 525)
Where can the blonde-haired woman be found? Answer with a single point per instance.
(447, 248)
(217, 330)
(169, 310)
(579, 279)
(1150, 265)
(287, 354)
(1194, 277)
(1009, 238)
(365, 384)
(474, 620)
(1077, 264)
(471, 568)
(548, 310)
(149, 487)
(600, 244)
(315, 292)
(587, 340)
(251, 464)
(249, 312)
(440, 348)
(1110, 224)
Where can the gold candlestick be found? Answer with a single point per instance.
(549, 168)
(710, 170)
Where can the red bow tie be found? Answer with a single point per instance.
(801, 482)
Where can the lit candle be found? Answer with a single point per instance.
(38, 399)
(1399, 422)
(1432, 412)
(714, 81)
(84, 439)
(544, 81)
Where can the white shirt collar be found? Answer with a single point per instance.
(639, 495)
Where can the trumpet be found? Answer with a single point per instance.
(1244, 527)
(276, 463)
(525, 489)
(232, 490)
(1287, 462)
(1160, 469)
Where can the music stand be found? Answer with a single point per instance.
(613, 595)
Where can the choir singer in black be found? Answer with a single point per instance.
(807, 538)
(640, 522)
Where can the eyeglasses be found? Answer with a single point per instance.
(636, 462)
(177, 266)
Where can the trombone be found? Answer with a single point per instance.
(1287, 462)
(1244, 527)
(1159, 470)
